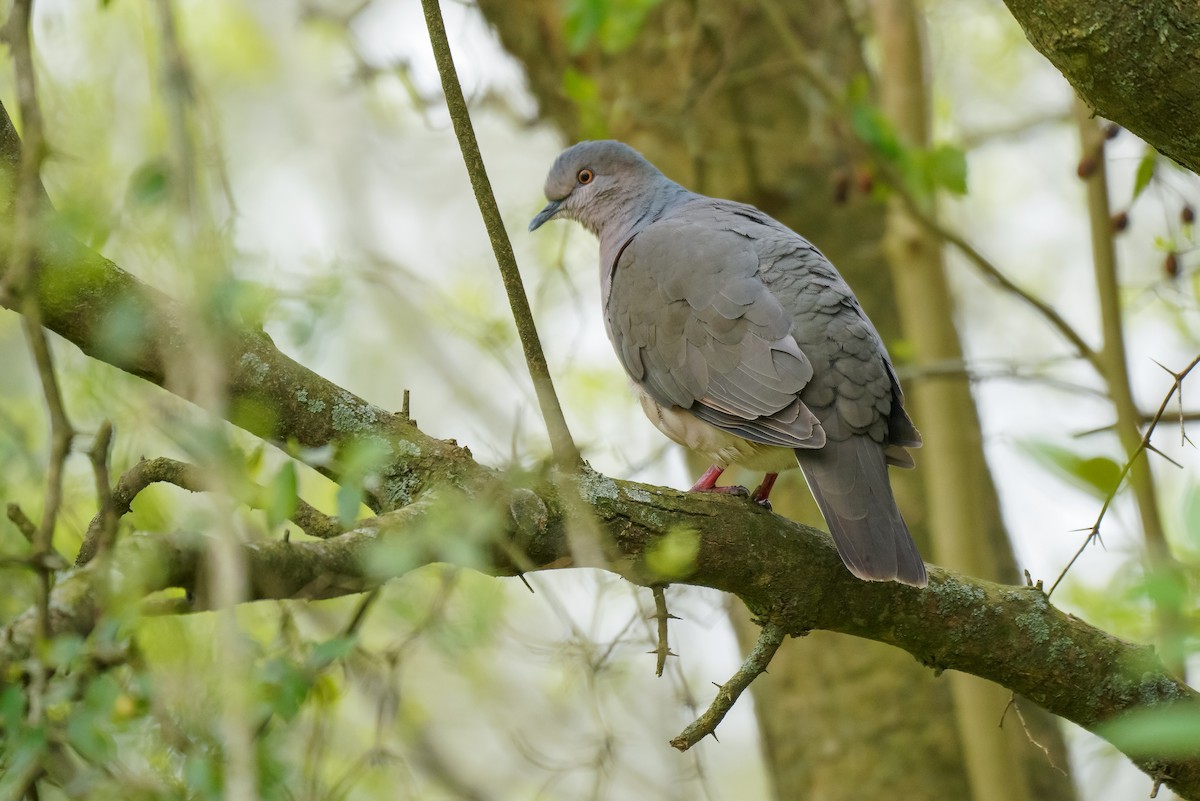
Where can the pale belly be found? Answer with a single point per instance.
(719, 447)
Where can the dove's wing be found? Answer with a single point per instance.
(696, 327)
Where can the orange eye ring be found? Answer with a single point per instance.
(585, 176)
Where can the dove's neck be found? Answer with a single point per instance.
(631, 213)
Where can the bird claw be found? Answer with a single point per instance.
(765, 503)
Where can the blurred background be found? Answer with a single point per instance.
(325, 198)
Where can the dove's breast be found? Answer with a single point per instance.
(719, 447)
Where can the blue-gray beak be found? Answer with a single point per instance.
(545, 214)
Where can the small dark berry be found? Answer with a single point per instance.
(864, 179)
(1087, 166)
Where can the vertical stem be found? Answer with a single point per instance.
(1168, 617)
(565, 452)
(19, 277)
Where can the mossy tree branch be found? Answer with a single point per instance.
(1138, 64)
(792, 577)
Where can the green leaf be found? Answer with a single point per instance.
(1163, 732)
(150, 183)
(1096, 474)
(1145, 171)
(326, 653)
(582, 89)
(349, 497)
(876, 131)
(674, 556)
(88, 733)
(281, 495)
(613, 24)
(285, 686)
(947, 168)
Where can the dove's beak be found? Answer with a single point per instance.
(545, 214)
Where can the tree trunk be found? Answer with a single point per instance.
(1002, 764)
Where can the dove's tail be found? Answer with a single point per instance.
(849, 481)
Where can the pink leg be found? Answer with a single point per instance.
(761, 494)
(708, 481)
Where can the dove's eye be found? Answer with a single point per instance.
(585, 176)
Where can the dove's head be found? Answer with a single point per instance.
(602, 185)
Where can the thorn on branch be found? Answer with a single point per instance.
(1144, 445)
(769, 639)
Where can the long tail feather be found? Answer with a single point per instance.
(849, 481)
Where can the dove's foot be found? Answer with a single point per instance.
(763, 490)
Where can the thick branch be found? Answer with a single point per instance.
(1138, 64)
(791, 576)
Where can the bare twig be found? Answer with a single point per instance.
(25, 232)
(106, 517)
(191, 478)
(1002, 370)
(989, 270)
(19, 278)
(1014, 706)
(1183, 417)
(1094, 531)
(727, 694)
(661, 616)
(565, 452)
(26, 526)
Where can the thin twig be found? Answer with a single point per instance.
(1014, 706)
(25, 233)
(26, 526)
(985, 266)
(191, 478)
(661, 615)
(360, 613)
(1094, 531)
(756, 663)
(565, 452)
(106, 516)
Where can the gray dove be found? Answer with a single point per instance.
(743, 343)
